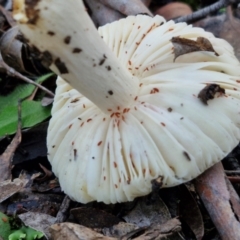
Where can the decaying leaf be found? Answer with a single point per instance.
(183, 46)
(145, 214)
(38, 221)
(11, 49)
(63, 231)
(94, 218)
(8, 187)
(209, 92)
(119, 230)
(168, 230)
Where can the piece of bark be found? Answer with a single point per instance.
(211, 187)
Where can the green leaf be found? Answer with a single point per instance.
(32, 113)
(17, 235)
(5, 228)
(20, 92)
(33, 234)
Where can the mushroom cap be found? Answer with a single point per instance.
(168, 131)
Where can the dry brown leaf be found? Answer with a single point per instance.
(168, 230)
(63, 231)
(183, 46)
(8, 187)
(119, 230)
(11, 49)
(145, 213)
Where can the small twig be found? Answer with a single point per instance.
(203, 12)
(12, 72)
(235, 179)
(62, 213)
(232, 171)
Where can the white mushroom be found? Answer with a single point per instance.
(128, 113)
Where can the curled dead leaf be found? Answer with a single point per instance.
(183, 46)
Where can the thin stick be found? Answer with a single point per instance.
(203, 12)
(12, 72)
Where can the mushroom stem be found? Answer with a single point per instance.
(63, 31)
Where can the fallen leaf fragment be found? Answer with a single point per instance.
(145, 213)
(63, 231)
(11, 49)
(119, 230)
(183, 46)
(168, 230)
(38, 221)
(8, 187)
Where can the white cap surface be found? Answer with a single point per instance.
(140, 116)
(167, 132)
